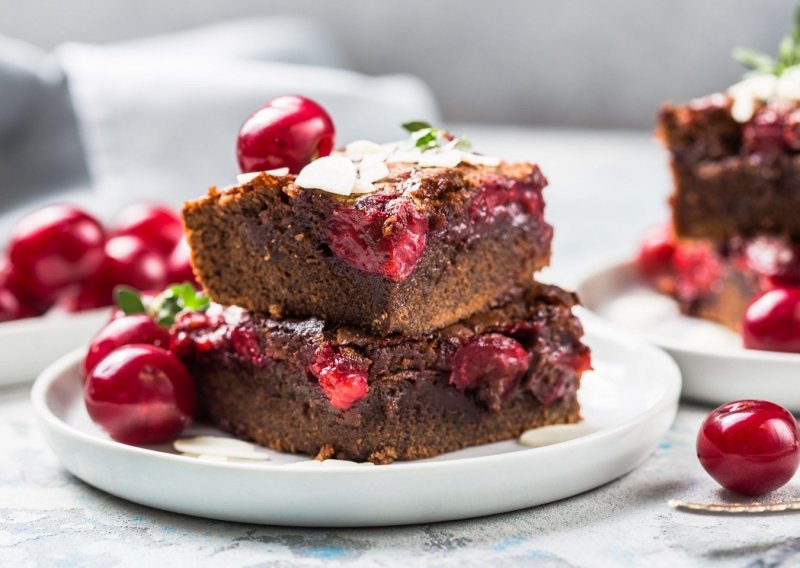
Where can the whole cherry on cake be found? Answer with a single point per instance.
(749, 446)
(288, 131)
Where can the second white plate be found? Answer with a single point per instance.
(716, 368)
(628, 403)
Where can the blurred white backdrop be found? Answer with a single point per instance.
(577, 63)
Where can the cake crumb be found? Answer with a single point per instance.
(325, 452)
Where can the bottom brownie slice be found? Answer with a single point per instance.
(316, 388)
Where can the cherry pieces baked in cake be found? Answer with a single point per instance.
(315, 387)
(378, 302)
(735, 160)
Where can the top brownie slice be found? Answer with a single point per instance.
(428, 247)
(733, 178)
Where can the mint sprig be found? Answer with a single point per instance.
(788, 53)
(426, 137)
(164, 307)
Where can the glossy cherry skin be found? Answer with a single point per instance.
(749, 446)
(125, 330)
(656, 251)
(140, 394)
(132, 262)
(289, 131)
(157, 225)
(772, 321)
(179, 265)
(90, 295)
(55, 247)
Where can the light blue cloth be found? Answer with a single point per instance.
(156, 119)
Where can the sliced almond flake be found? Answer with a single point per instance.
(218, 446)
(334, 174)
(405, 156)
(446, 159)
(789, 84)
(212, 457)
(372, 172)
(250, 176)
(361, 187)
(759, 87)
(743, 108)
(549, 435)
(479, 160)
(363, 148)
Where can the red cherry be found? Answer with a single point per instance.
(289, 132)
(749, 446)
(125, 330)
(130, 261)
(54, 248)
(698, 270)
(382, 236)
(493, 364)
(140, 394)
(656, 252)
(772, 321)
(156, 225)
(342, 376)
(179, 265)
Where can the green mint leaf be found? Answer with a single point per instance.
(426, 139)
(755, 60)
(175, 299)
(414, 125)
(128, 300)
(463, 144)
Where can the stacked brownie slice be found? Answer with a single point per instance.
(397, 321)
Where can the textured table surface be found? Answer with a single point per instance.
(605, 189)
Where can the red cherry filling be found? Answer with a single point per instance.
(380, 235)
(749, 446)
(772, 321)
(698, 270)
(513, 199)
(493, 364)
(54, 248)
(289, 131)
(765, 132)
(140, 394)
(341, 373)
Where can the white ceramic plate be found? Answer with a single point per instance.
(28, 346)
(629, 402)
(715, 367)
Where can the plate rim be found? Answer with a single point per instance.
(61, 366)
(618, 263)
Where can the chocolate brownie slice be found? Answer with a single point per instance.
(733, 179)
(306, 386)
(429, 247)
